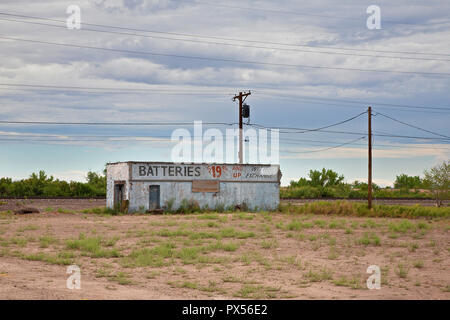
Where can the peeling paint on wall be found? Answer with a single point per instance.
(256, 186)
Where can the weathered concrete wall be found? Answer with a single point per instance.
(255, 185)
(116, 172)
(264, 196)
(188, 172)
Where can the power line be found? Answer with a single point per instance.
(348, 105)
(297, 142)
(221, 5)
(412, 126)
(360, 102)
(181, 92)
(139, 139)
(232, 39)
(113, 123)
(296, 130)
(225, 60)
(319, 150)
(157, 123)
(303, 130)
(27, 137)
(82, 140)
(231, 44)
(291, 141)
(329, 126)
(259, 91)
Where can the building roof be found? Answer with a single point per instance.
(191, 163)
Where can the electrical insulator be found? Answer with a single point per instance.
(245, 111)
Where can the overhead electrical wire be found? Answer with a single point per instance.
(231, 44)
(309, 99)
(348, 105)
(138, 90)
(288, 130)
(325, 149)
(113, 123)
(254, 8)
(412, 126)
(230, 39)
(71, 137)
(303, 130)
(225, 59)
(294, 141)
(360, 102)
(328, 126)
(157, 123)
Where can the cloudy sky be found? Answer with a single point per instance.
(308, 65)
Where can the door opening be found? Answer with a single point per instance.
(119, 192)
(154, 197)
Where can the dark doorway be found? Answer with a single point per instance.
(154, 198)
(119, 190)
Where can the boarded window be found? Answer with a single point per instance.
(205, 186)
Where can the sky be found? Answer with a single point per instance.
(307, 65)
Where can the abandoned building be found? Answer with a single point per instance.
(148, 186)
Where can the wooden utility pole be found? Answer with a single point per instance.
(241, 96)
(369, 184)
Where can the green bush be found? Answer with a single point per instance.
(345, 191)
(346, 208)
(189, 206)
(41, 185)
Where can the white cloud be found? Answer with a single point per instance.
(71, 175)
(32, 63)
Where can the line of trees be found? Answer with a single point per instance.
(327, 183)
(323, 183)
(41, 185)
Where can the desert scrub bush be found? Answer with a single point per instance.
(220, 207)
(21, 242)
(102, 211)
(29, 227)
(232, 233)
(401, 270)
(91, 247)
(368, 239)
(322, 275)
(298, 225)
(353, 283)
(45, 241)
(121, 278)
(146, 257)
(269, 244)
(244, 216)
(169, 205)
(418, 264)
(208, 216)
(402, 226)
(189, 206)
(48, 258)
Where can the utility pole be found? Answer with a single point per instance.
(241, 97)
(369, 184)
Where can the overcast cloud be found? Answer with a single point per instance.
(407, 26)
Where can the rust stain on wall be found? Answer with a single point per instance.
(205, 186)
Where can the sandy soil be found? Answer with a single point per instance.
(262, 256)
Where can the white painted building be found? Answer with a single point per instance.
(156, 185)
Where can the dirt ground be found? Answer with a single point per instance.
(218, 256)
